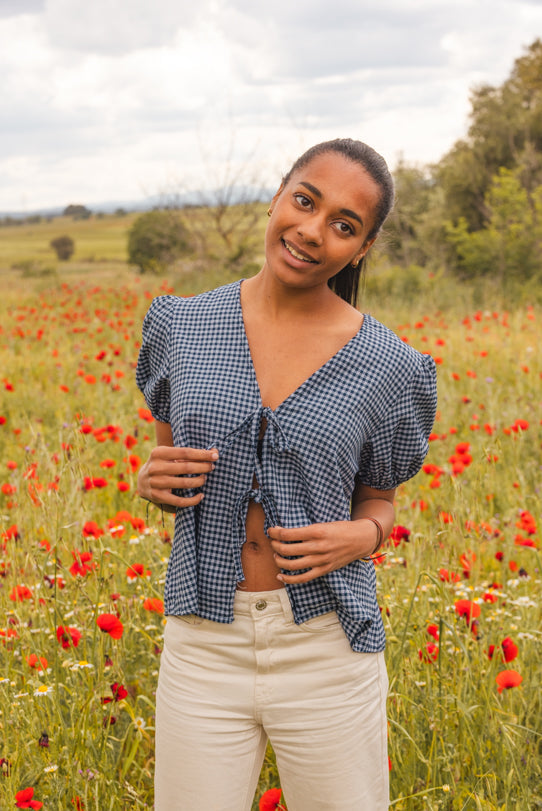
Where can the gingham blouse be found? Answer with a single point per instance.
(365, 414)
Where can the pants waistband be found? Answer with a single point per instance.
(254, 603)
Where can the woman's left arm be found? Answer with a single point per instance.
(322, 548)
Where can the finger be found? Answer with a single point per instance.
(178, 501)
(304, 577)
(295, 548)
(179, 467)
(294, 534)
(185, 454)
(297, 563)
(166, 484)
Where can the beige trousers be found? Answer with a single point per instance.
(223, 690)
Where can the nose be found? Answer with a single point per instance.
(311, 229)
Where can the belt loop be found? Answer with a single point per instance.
(286, 605)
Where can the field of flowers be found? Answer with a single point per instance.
(82, 561)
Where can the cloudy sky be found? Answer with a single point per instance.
(120, 99)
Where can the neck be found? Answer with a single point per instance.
(280, 301)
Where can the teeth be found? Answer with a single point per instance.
(297, 255)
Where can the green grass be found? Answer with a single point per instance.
(98, 239)
(68, 344)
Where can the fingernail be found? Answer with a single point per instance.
(214, 455)
(280, 577)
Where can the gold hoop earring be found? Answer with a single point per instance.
(269, 212)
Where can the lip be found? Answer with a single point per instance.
(306, 256)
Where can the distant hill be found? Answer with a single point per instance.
(196, 198)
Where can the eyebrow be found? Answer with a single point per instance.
(346, 211)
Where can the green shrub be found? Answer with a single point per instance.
(156, 240)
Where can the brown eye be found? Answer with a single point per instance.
(302, 200)
(344, 228)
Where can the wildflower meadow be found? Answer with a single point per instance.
(83, 559)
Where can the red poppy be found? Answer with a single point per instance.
(507, 679)
(82, 563)
(433, 631)
(446, 518)
(137, 570)
(92, 482)
(467, 609)
(123, 487)
(78, 803)
(509, 649)
(36, 662)
(526, 522)
(68, 636)
(448, 577)
(429, 653)
(271, 800)
(145, 414)
(110, 624)
(154, 604)
(20, 593)
(91, 528)
(11, 533)
(134, 461)
(119, 692)
(519, 540)
(23, 799)
(490, 597)
(398, 534)
(108, 463)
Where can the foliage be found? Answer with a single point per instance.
(510, 243)
(450, 216)
(75, 543)
(505, 132)
(64, 247)
(156, 239)
(77, 212)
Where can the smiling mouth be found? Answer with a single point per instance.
(301, 256)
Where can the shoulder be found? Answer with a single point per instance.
(392, 354)
(167, 310)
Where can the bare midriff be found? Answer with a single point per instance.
(257, 556)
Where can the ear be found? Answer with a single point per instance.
(359, 256)
(276, 197)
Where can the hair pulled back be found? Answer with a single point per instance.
(345, 283)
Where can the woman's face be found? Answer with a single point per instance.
(320, 221)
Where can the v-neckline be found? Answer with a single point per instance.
(308, 379)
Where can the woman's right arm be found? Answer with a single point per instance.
(169, 468)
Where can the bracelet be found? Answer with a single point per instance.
(380, 537)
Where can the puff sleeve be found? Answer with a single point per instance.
(396, 450)
(152, 371)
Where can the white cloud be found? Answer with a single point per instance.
(111, 99)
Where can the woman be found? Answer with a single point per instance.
(285, 421)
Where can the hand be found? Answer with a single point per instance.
(321, 548)
(169, 468)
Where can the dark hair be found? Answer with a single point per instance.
(346, 282)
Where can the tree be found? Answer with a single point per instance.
(227, 212)
(77, 212)
(508, 247)
(505, 132)
(64, 247)
(156, 239)
(413, 192)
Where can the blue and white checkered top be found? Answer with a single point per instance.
(364, 414)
